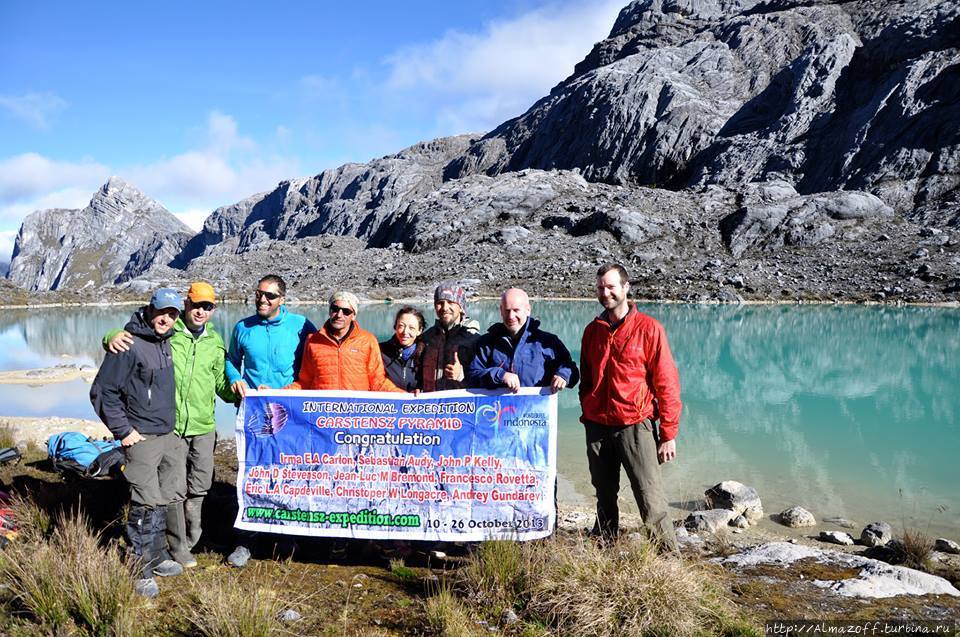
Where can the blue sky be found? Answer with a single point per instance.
(200, 104)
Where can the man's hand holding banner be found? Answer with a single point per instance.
(464, 465)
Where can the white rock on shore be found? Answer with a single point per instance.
(876, 579)
(797, 517)
(38, 429)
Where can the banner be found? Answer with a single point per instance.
(466, 465)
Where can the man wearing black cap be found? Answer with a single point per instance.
(134, 395)
(448, 346)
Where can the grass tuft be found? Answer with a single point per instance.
(65, 579)
(230, 606)
(916, 549)
(7, 438)
(575, 588)
(447, 617)
(497, 574)
(402, 572)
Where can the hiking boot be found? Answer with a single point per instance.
(147, 587)
(239, 557)
(168, 568)
(186, 560)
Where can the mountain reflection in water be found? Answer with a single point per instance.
(847, 411)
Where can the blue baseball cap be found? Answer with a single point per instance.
(166, 297)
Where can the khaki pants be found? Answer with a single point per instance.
(193, 470)
(150, 469)
(635, 448)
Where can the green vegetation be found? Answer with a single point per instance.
(59, 577)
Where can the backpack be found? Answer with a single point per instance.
(73, 452)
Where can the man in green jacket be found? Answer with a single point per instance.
(198, 367)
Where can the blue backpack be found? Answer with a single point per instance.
(74, 452)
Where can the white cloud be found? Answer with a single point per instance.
(36, 109)
(227, 168)
(193, 217)
(31, 175)
(7, 239)
(481, 79)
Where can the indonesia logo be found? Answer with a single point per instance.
(494, 414)
(273, 419)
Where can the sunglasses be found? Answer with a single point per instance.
(205, 306)
(270, 296)
(346, 311)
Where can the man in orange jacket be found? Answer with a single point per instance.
(628, 381)
(342, 355)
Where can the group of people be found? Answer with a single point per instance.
(159, 380)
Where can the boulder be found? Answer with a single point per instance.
(876, 534)
(946, 546)
(709, 521)
(737, 497)
(797, 517)
(740, 522)
(836, 537)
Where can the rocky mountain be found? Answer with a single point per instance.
(121, 234)
(725, 149)
(352, 200)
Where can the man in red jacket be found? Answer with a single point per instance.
(628, 381)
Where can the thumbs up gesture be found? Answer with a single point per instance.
(454, 370)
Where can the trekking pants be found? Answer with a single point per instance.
(148, 468)
(635, 448)
(192, 473)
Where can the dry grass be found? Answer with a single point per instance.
(447, 617)
(496, 575)
(916, 548)
(230, 606)
(575, 588)
(6, 437)
(64, 580)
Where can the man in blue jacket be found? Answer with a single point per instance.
(517, 353)
(265, 351)
(266, 348)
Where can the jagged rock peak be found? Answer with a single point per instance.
(120, 234)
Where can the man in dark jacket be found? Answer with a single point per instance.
(517, 353)
(134, 395)
(448, 346)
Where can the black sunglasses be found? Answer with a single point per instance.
(346, 311)
(206, 306)
(270, 296)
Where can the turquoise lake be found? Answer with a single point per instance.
(847, 411)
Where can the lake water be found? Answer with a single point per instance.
(847, 411)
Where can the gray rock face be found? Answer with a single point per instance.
(709, 521)
(836, 537)
(797, 517)
(737, 497)
(118, 236)
(876, 534)
(827, 96)
(352, 200)
(798, 221)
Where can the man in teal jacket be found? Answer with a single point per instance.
(266, 348)
(265, 351)
(199, 375)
